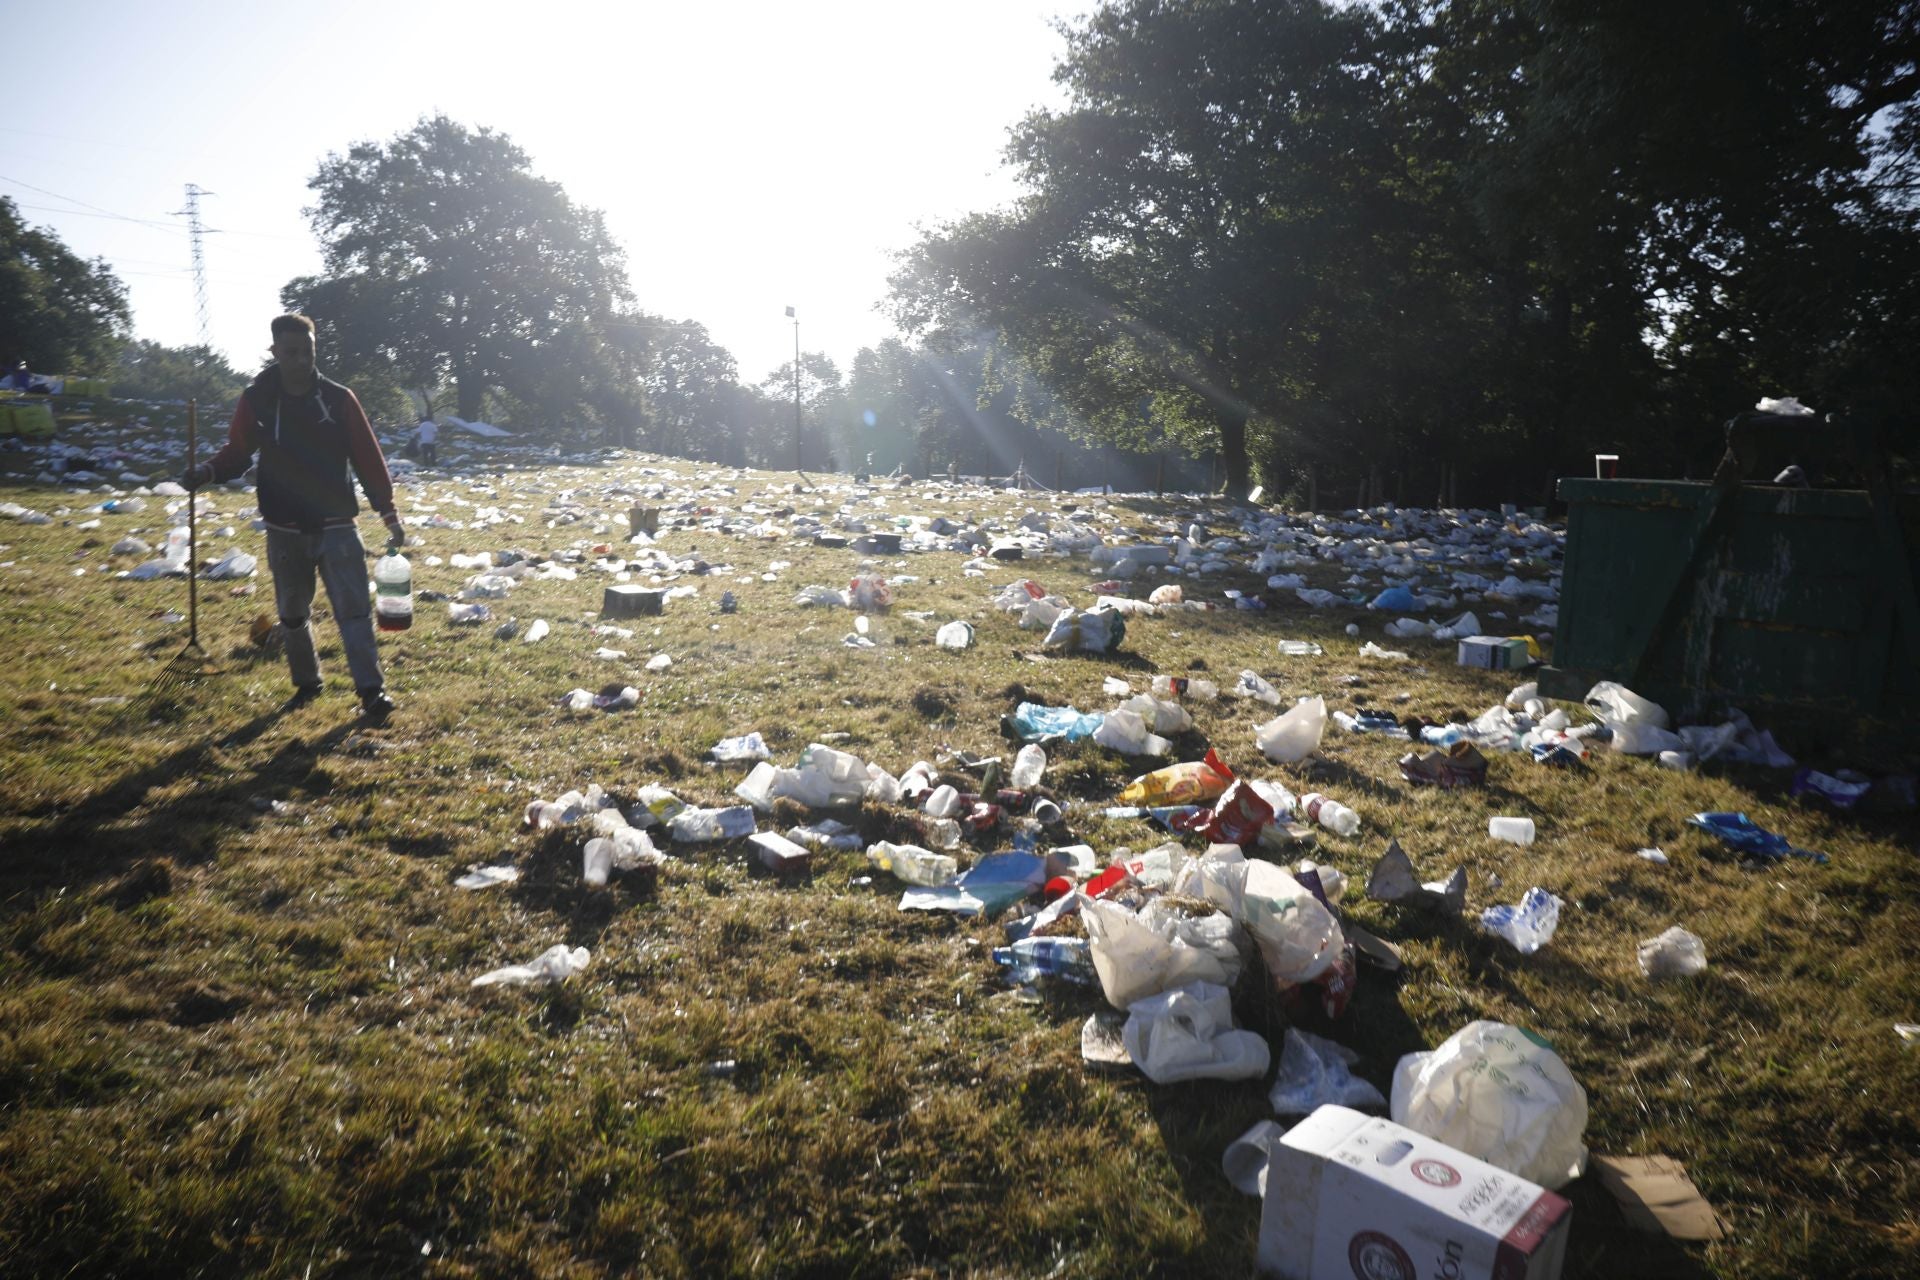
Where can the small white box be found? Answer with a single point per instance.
(1352, 1195)
(777, 853)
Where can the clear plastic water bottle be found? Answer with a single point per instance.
(911, 863)
(393, 580)
(1443, 735)
(1330, 814)
(1031, 959)
(1028, 767)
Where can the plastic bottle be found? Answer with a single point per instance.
(912, 864)
(1330, 814)
(393, 579)
(1031, 959)
(1185, 687)
(1443, 735)
(1028, 766)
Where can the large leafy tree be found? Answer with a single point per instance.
(1425, 232)
(692, 394)
(147, 370)
(59, 312)
(1225, 190)
(448, 262)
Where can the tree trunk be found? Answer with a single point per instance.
(467, 393)
(1233, 451)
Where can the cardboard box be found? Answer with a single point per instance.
(1494, 653)
(1350, 1195)
(779, 854)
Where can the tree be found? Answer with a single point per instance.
(822, 423)
(58, 312)
(147, 370)
(448, 262)
(692, 394)
(1224, 188)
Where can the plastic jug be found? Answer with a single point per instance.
(393, 580)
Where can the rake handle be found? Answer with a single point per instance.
(193, 527)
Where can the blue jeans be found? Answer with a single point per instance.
(342, 564)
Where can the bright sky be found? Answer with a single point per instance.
(749, 155)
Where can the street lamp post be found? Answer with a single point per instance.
(796, 389)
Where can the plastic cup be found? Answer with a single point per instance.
(1512, 830)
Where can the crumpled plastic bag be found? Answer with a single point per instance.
(1500, 1094)
(235, 564)
(556, 964)
(1187, 1033)
(1299, 937)
(1141, 955)
(1643, 738)
(1618, 705)
(615, 845)
(1674, 954)
(1162, 715)
(1294, 735)
(1124, 731)
(821, 596)
(1530, 925)
(1316, 1072)
(748, 746)
(1095, 631)
(1033, 722)
(869, 592)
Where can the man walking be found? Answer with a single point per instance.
(308, 430)
(424, 436)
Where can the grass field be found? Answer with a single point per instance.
(237, 1034)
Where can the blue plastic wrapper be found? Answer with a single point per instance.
(1397, 600)
(1528, 926)
(1031, 722)
(1740, 833)
(994, 883)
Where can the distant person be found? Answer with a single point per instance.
(423, 438)
(309, 431)
(20, 379)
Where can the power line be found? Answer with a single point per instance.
(76, 200)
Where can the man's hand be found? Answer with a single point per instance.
(396, 532)
(194, 477)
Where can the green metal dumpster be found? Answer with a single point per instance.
(1779, 600)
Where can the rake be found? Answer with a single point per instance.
(191, 664)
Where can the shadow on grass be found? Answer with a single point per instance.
(115, 826)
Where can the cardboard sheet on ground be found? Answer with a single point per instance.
(1656, 1195)
(996, 881)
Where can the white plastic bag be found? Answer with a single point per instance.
(1674, 954)
(1500, 1094)
(557, 963)
(1619, 705)
(1187, 1034)
(1137, 956)
(1293, 736)
(1642, 738)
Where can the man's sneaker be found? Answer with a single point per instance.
(376, 706)
(302, 695)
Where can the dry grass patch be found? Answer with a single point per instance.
(237, 1035)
